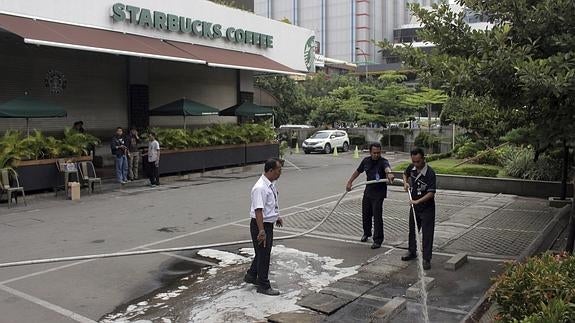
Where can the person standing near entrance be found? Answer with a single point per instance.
(133, 154)
(419, 180)
(375, 168)
(264, 212)
(154, 159)
(120, 151)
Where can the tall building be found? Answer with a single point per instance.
(344, 29)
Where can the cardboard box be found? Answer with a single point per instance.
(74, 191)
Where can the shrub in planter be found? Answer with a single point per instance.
(468, 171)
(467, 150)
(519, 162)
(488, 157)
(543, 286)
(432, 157)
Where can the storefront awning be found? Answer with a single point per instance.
(40, 32)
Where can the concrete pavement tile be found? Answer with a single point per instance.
(360, 310)
(413, 313)
(324, 303)
(300, 317)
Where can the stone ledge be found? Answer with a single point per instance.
(389, 310)
(413, 292)
(456, 262)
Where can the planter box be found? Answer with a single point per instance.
(176, 161)
(35, 175)
(260, 152)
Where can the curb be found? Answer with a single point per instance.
(541, 243)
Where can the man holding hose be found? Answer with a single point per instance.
(419, 180)
(264, 212)
(375, 168)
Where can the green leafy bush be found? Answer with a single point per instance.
(542, 289)
(216, 135)
(519, 162)
(425, 139)
(467, 150)
(488, 157)
(15, 146)
(433, 157)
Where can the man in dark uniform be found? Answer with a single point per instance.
(375, 168)
(419, 180)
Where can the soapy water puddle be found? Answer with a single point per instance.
(218, 294)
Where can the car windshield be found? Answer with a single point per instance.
(320, 135)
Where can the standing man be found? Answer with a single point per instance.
(120, 150)
(133, 154)
(154, 159)
(375, 167)
(419, 180)
(264, 213)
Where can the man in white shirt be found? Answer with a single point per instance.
(264, 213)
(154, 159)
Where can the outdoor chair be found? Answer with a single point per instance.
(66, 169)
(10, 185)
(88, 175)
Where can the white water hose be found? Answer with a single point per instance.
(206, 246)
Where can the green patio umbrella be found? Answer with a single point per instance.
(184, 107)
(29, 108)
(247, 109)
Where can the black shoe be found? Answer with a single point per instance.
(375, 246)
(409, 256)
(426, 265)
(364, 238)
(269, 291)
(250, 279)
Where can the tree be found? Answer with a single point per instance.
(426, 97)
(525, 63)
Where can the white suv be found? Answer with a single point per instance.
(326, 140)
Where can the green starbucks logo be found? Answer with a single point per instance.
(309, 54)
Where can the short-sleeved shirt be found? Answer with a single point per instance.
(375, 169)
(153, 149)
(264, 196)
(421, 182)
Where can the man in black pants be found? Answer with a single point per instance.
(264, 212)
(419, 180)
(375, 168)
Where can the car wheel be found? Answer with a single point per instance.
(345, 146)
(327, 148)
(306, 152)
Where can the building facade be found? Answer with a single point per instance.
(345, 29)
(108, 63)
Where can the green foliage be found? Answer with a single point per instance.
(434, 157)
(542, 289)
(467, 150)
(425, 139)
(15, 146)
(284, 146)
(519, 162)
(488, 157)
(221, 134)
(525, 64)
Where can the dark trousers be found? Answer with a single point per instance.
(261, 264)
(154, 173)
(426, 223)
(372, 207)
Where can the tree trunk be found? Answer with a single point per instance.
(565, 170)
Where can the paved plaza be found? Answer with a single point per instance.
(326, 276)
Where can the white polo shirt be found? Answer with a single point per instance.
(265, 196)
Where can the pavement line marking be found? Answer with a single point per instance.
(53, 307)
(292, 164)
(157, 242)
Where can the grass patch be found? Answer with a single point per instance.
(447, 166)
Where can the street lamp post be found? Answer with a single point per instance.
(365, 59)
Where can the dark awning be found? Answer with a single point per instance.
(41, 32)
(247, 109)
(184, 107)
(26, 107)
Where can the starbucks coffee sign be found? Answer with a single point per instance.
(194, 27)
